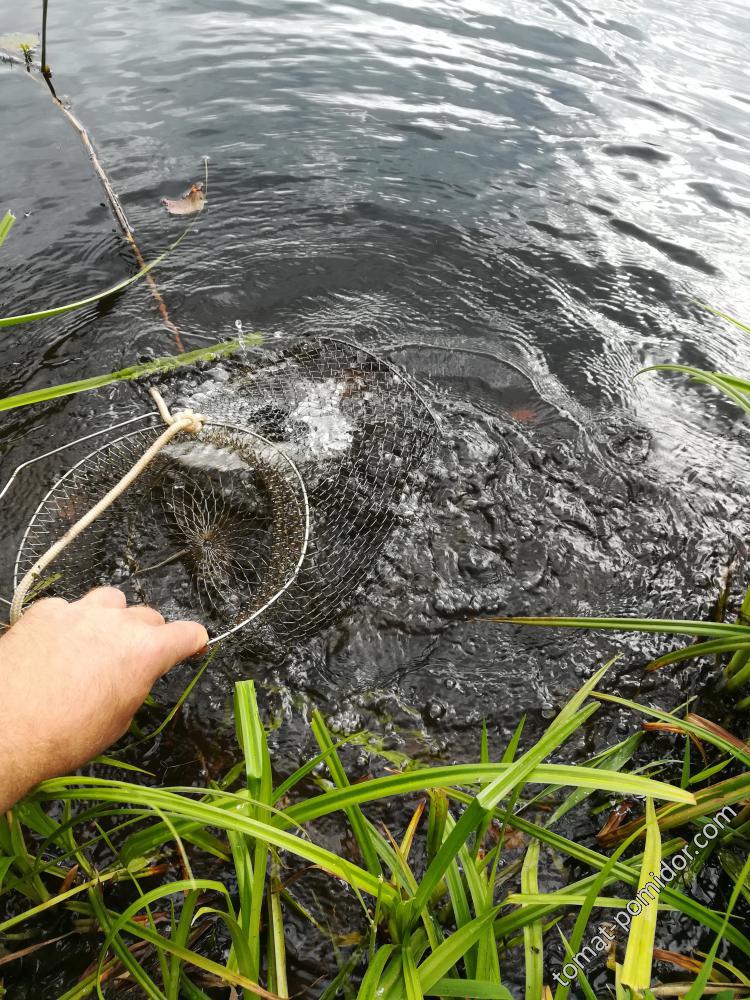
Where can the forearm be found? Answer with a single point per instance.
(10, 791)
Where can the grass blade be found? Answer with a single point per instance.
(532, 933)
(175, 805)
(412, 982)
(450, 951)
(90, 299)
(697, 990)
(253, 853)
(369, 988)
(712, 647)
(354, 815)
(675, 626)
(469, 989)
(715, 379)
(636, 968)
(6, 224)
(423, 779)
(158, 365)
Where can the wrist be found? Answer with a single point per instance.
(14, 782)
(18, 759)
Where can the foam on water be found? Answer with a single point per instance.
(328, 430)
(315, 430)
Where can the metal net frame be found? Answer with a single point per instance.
(325, 440)
(219, 522)
(358, 481)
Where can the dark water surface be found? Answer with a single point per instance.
(519, 202)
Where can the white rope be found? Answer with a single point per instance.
(186, 420)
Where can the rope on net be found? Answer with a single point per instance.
(186, 421)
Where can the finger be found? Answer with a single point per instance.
(104, 597)
(149, 616)
(44, 606)
(174, 642)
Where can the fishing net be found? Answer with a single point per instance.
(216, 526)
(270, 519)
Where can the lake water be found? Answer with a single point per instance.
(519, 202)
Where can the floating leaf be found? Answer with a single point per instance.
(189, 204)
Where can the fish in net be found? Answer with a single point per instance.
(359, 429)
(271, 519)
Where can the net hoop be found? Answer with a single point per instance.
(278, 453)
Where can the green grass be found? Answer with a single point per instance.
(445, 902)
(49, 312)
(6, 223)
(157, 366)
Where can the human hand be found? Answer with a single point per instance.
(72, 676)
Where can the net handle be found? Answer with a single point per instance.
(185, 420)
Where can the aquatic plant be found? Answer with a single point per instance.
(49, 312)
(436, 910)
(156, 366)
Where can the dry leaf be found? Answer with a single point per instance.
(189, 204)
(69, 879)
(711, 727)
(675, 958)
(615, 819)
(23, 952)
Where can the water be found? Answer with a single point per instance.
(519, 202)
(316, 418)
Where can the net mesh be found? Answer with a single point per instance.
(217, 524)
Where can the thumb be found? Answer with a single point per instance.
(174, 642)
